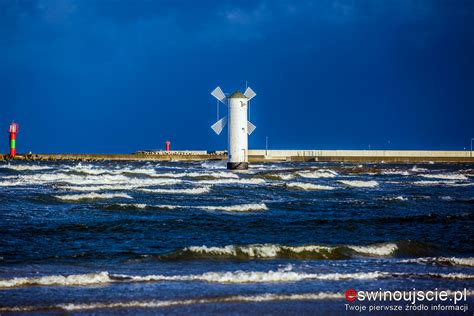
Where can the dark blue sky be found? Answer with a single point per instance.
(118, 76)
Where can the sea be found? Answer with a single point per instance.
(193, 238)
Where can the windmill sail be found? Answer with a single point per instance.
(218, 126)
(219, 95)
(250, 127)
(249, 93)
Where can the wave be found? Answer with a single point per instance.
(283, 176)
(152, 172)
(308, 186)
(116, 187)
(380, 250)
(229, 208)
(201, 190)
(442, 261)
(257, 298)
(25, 167)
(70, 280)
(395, 198)
(214, 164)
(318, 174)
(89, 180)
(453, 176)
(92, 196)
(211, 277)
(360, 184)
(215, 174)
(222, 277)
(266, 251)
(267, 297)
(234, 181)
(132, 206)
(416, 169)
(449, 183)
(396, 172)
(236, 208)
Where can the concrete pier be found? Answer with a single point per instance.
(256, 155)
(394, 156)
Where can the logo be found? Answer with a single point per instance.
(351, 295)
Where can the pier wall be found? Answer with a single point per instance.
(258, 155)
(362, 155)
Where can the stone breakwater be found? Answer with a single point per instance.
(350, 156)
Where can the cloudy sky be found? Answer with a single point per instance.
(118, 76)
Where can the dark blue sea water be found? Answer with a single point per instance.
(281, 238)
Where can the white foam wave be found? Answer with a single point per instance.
(448, 183)
(267, 297)
(380, 250)
(396, 172)
(251, 181)
(395, 198)
(274, 250)
(325, 173)
(92, 196)
(143, 206)
(309, 186)
(89, 180)
(92, 188)
(96, 170)
(360, 184)
(70, 280)
(214, 164)
(25, 167)
(215, 174)
(201, 190)
(468, 262)
(257, 250)
(285, 176)
(416, 169)
(211, 277)
(236, 208)
(452, 176)
(283, 275)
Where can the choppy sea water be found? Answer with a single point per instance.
(175, 237)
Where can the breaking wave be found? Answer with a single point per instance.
(267, 297)
(229, 208)
(285, 176)
(318, 174)
(266, 251)
(395, 198)
(442, 261)
(449, 183)
(225, 277)
(118, 187)
(92, 196)
(236, 208)
(25, 167)
(70, 280)
(233, 181)
(201, 190)
(396, 172)
(134, 206)
(95, 180)
(308, 186)
(445, 176)
(360, 184)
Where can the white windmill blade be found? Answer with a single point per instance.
(250, 127)
(218, 126)
(219, 95)
(249, 93)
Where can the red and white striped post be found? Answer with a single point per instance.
(14, 128)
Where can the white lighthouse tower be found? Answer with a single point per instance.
(239, 126)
